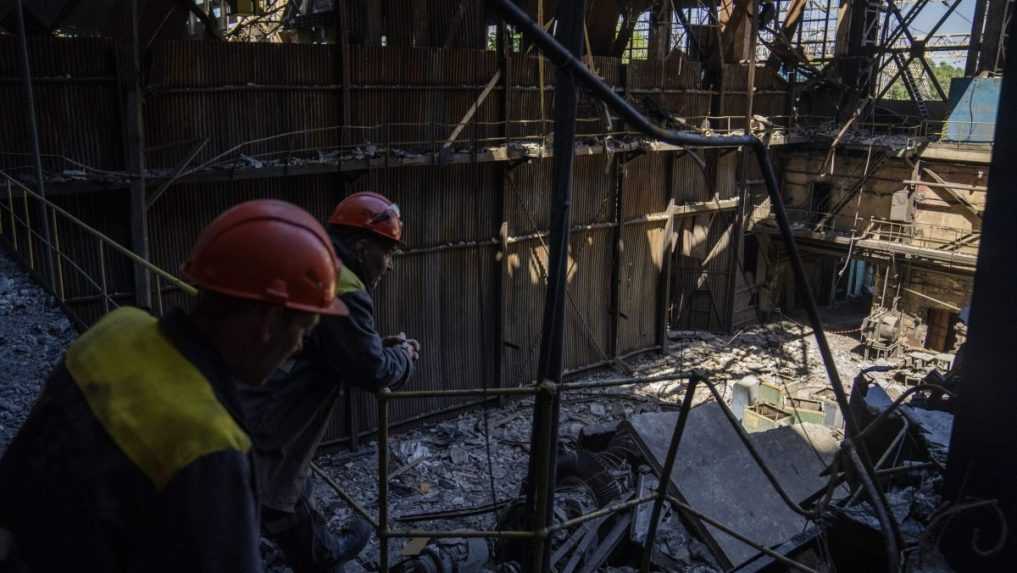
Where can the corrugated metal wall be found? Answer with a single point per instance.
(444, 289)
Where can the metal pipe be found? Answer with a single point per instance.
(464, 392)
(783, 559)
(29, 232)
(601, 513)
(102, 277)
(539, 486)
(613, 382)
(382, 531)
(26, 74)
(10, 205)
(59, 266)
(665, 474)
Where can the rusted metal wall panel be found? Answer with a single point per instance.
(673, 85)
(645, 185)
(70, 75)
(445, 23)
(725, 165)
(642, 260)
(442, 289)
(700, 276)
(232, 93)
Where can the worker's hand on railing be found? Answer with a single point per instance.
(410, 346)
(412, 349)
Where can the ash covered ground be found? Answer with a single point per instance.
(34, 332)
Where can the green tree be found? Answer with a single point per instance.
(943, 71)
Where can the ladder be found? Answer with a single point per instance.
(911, 85)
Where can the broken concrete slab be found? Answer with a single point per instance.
(934, 428)
(714, 473)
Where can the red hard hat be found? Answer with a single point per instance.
(369, 211)
(270, 251)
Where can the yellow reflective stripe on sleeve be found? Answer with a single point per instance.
(158, 408)
(349, 281)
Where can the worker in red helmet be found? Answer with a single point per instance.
(136, 456)
(291, 413)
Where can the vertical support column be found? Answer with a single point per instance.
(383, 479)
(975, 44)
(343, 47)
(983, 446)
(26, 78)
(744, 159)
(667, 257)
(544, 437)
(617, 251)
(129, 72)
(660, 30)
(371, 10)
(504, 47)
(343, 43)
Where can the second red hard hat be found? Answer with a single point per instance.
(370, 211)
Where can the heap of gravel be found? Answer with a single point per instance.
(34, 333)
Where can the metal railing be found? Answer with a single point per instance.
(921, 235)
(21, 211)
(19, 231)
(662, 494)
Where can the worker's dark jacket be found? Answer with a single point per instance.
(134, 457)
(289, 415)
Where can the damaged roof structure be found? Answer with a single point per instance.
(591, 187)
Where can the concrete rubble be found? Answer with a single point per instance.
(34, 332)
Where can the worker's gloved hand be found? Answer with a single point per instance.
(394, 340)
(411, 348)
(408, 345)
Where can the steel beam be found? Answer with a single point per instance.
(544, 436)
(983, 446)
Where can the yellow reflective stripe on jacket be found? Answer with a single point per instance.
(349, 281)
(158, 408)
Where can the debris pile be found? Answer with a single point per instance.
(613, 449)
(34, 333)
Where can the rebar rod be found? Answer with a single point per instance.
(665, 475)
